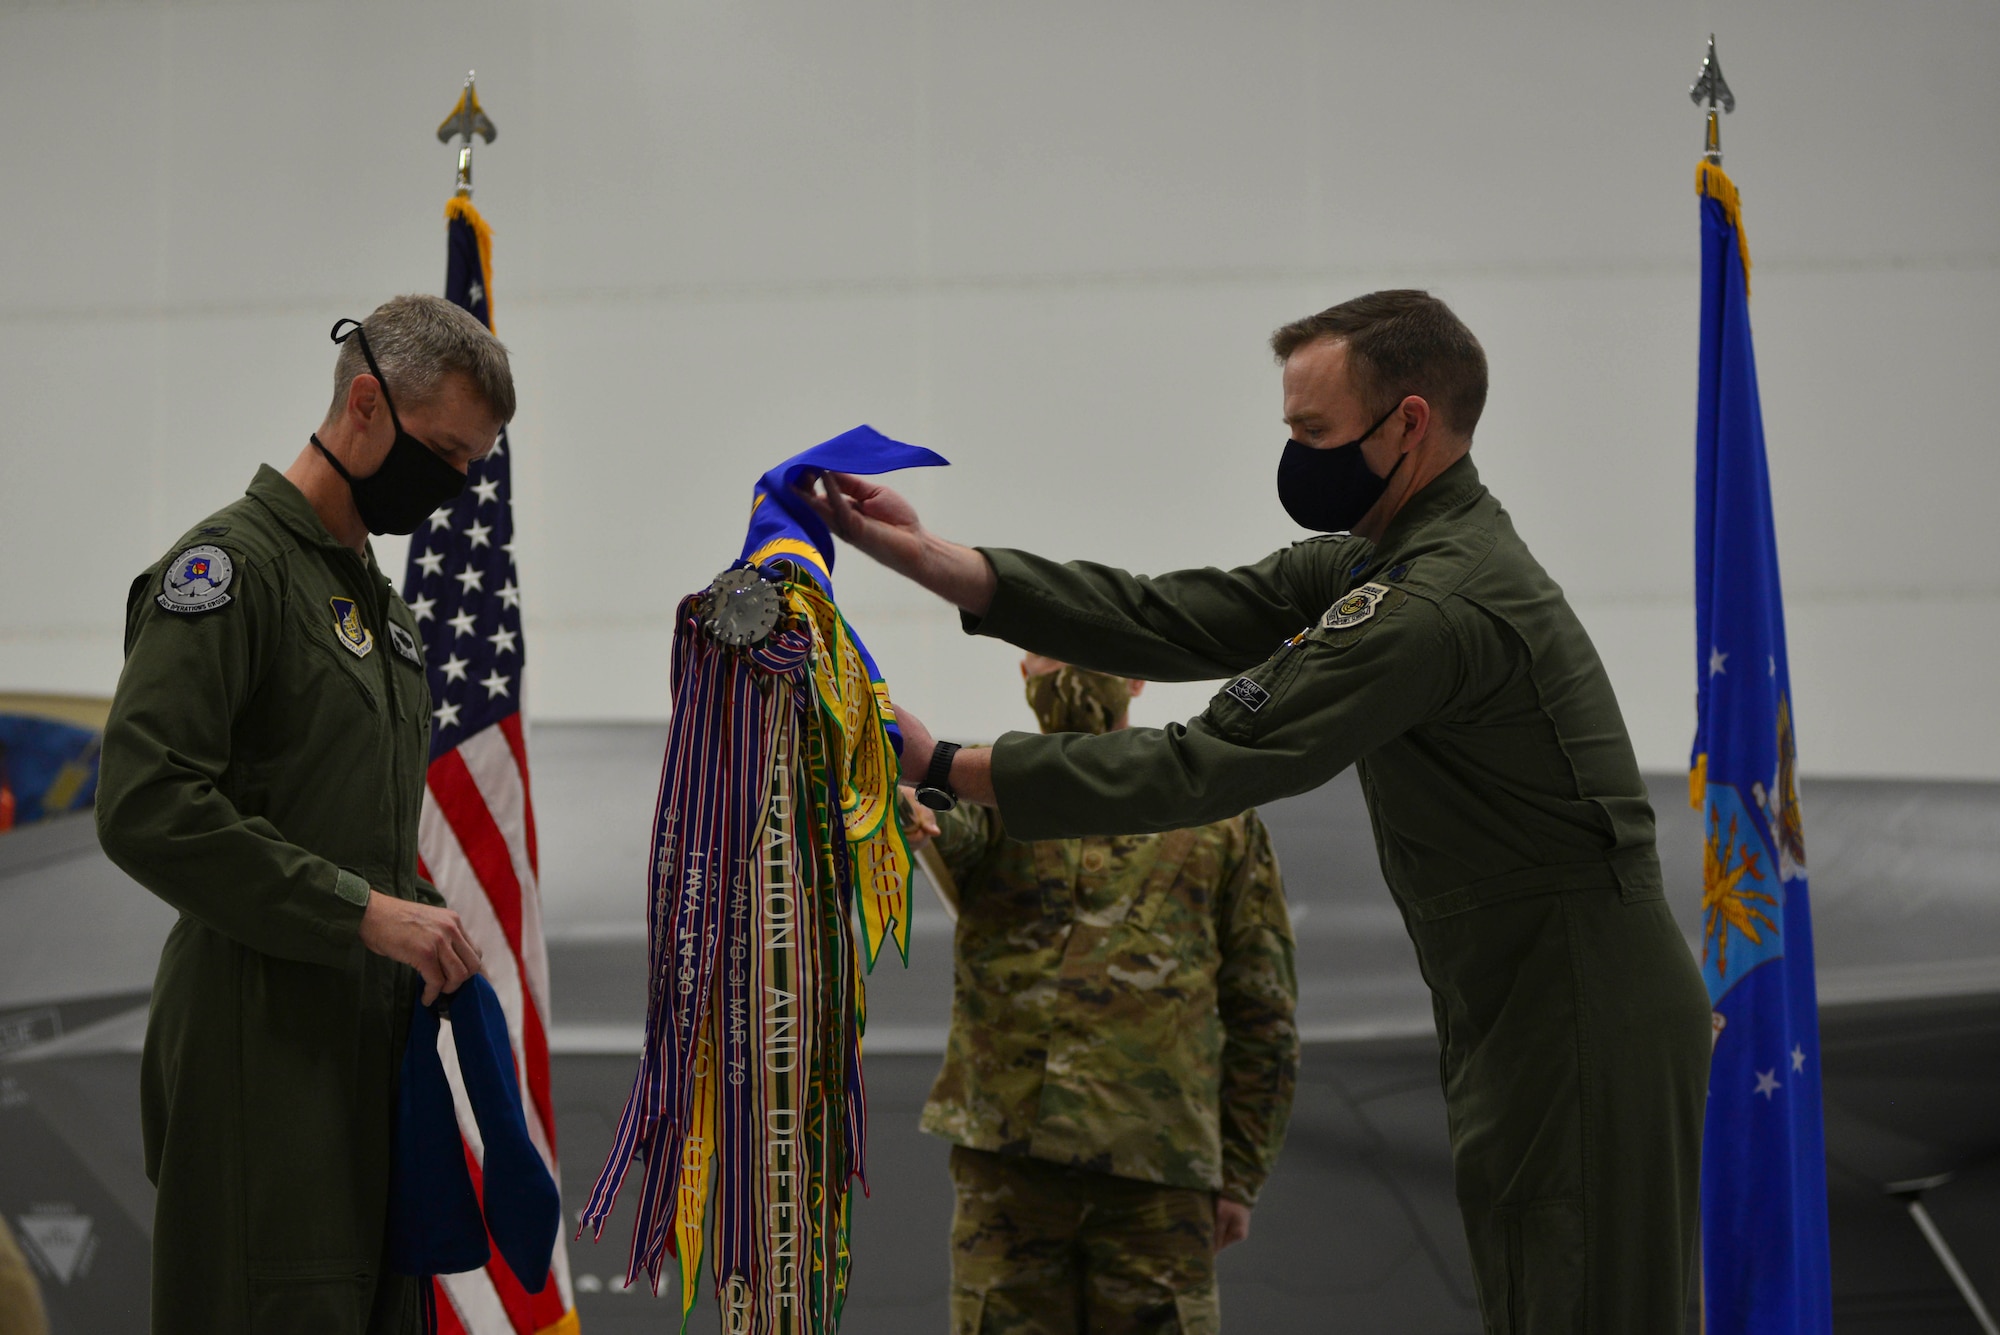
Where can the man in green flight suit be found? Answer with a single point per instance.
(263, 770)
(1421, 642)
(1122, 1054)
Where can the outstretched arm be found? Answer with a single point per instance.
(1191, 625)
(868, 515)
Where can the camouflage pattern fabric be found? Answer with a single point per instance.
(1122, 1004)
(1040, 1249)
(1074, 699)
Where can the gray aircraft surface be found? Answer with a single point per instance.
(1358, 1230)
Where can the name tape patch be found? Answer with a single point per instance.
(197, 580)
(1355, 608)
(1247, 693)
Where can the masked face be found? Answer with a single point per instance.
(1330, 490)
(1074, 699)
(412, 481)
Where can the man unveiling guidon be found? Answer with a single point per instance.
(774, 832)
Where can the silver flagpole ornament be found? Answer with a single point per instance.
(1710, 87)
(465, 121)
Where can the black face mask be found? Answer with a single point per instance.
(412, 481)
(1329, 490)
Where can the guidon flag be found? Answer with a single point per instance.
(778, 876)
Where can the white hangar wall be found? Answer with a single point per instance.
(1047, 240)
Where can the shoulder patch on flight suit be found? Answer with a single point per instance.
(1355, 608)
(197, 580)
(405, 644)
(347, 627)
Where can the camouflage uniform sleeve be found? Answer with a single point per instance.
(1257, 994)
(968, 836)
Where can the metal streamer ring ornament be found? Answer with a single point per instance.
(742, 607)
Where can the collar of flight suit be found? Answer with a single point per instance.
(277, 493)
(1448, 490)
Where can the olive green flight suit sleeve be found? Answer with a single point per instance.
(164, 812)
(1191, 625)
(1325, 699)
(1257, 994)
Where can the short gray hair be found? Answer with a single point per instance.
(419, 340)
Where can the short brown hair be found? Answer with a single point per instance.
(418, 340)
(1401, 342)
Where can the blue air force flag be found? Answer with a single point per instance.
(783, 525)
(1764, 1230)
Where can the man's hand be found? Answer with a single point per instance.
(872, 517)
(431, 941)
(884, 525)
(920, 823)
(1232, 1222)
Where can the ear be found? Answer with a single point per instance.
(1138, 687)
(364, 401)
(1414, 414)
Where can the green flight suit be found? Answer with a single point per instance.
(1513, 830)
(263, 767)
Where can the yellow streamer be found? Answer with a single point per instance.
(863, 763)
(697, 1154)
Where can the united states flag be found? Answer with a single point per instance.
(477, 839)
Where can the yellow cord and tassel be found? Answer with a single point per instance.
(1713, 183)
(460, 208)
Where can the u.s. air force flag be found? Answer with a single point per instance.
(1764, 1230)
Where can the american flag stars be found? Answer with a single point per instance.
(466, 595)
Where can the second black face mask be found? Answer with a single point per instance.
(1329, 490)
(412, 481)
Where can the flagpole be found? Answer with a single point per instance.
(1708, 84)
(466, 121)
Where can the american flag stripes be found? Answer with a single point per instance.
(477, 838)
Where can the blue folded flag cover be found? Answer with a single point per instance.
(438, 1224)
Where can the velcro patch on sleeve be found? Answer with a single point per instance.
(197, 580)
(1247, 693)
(1354, 608)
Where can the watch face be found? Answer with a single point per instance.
(937, 799)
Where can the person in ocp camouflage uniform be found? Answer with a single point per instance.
(1122, 1055)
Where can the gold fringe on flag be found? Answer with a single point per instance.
(1714, 183)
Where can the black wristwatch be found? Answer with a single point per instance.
(935, 791)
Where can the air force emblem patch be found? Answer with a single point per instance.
(347, 627)
(197, 580)
(1355, 608)
(406, 644)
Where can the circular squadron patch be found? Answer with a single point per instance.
(197, 580)
(1355, 608)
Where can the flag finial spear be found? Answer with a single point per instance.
(1711, 87)
(465, 121)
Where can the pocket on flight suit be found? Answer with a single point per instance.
(343, 663)
(1531, 1273)
(308, 1299)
